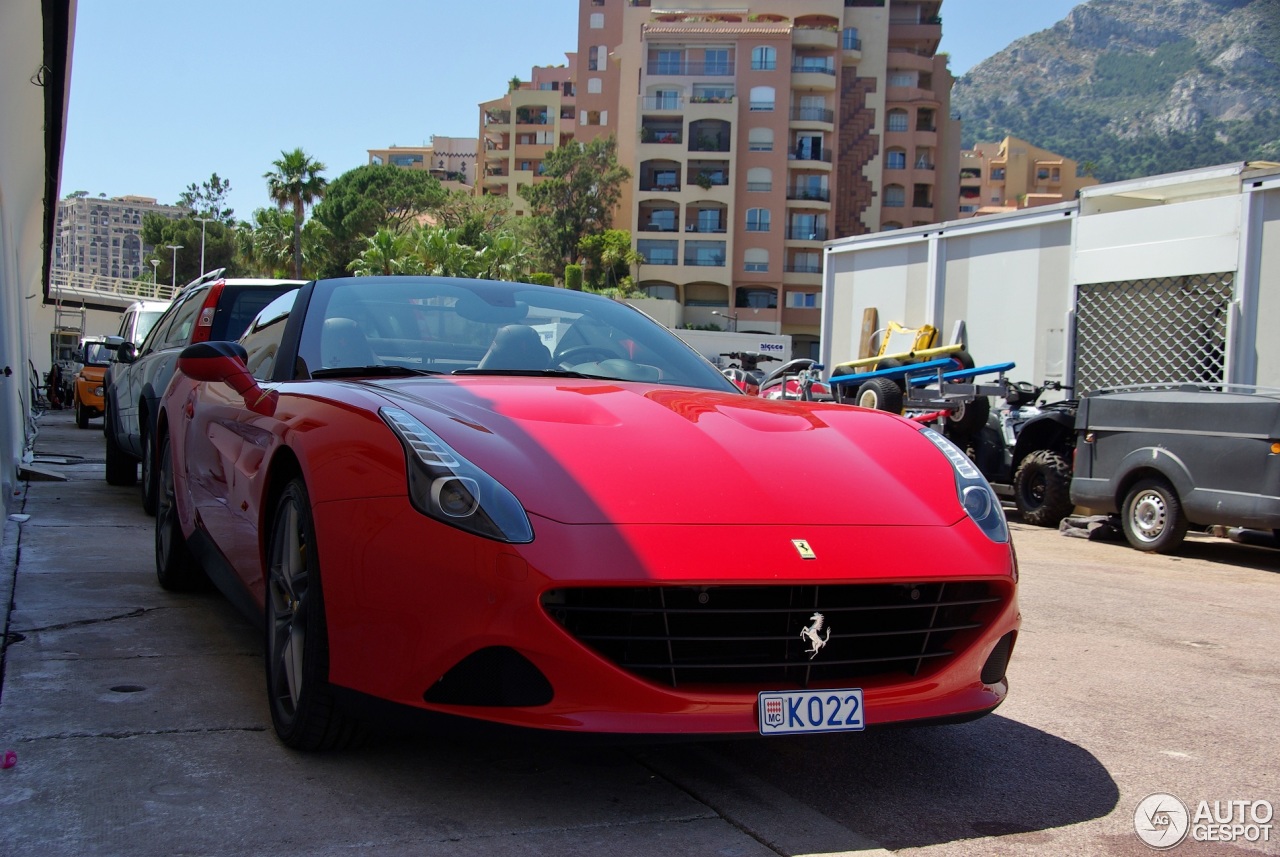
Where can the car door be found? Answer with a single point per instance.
(227, 446)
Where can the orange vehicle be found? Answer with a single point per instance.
(93, 358)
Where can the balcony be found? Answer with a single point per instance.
(815, 37)
(656, 103)
(813, 75)
(810, 233)
(809, 193)
(809, 116)
(815, 158)
(660, 68)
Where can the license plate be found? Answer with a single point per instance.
(792, 711)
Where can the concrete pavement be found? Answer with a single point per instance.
(140, 726)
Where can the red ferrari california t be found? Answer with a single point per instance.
(491, 503)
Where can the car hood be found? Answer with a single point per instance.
(585, 451)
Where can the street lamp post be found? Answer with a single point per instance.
(174, 279)
(203, 221)
(731, 317)
(155, 277)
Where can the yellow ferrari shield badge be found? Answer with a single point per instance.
(805, 551)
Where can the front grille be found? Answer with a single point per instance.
(751, 635)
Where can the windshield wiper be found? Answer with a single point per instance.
(378, 371)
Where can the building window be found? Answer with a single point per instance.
(897, 120)
(804, 300)
(757, 220)
(668, 62)
(762, 98)
(760, 140)
(661, 291)
(849, 40)
(759, 179)
(594, 85)
(895, 196)
(903, 78)
(718, 61)
(756, 260)
(764, 58)
(597, 20)
(756, 298)
(895, 159)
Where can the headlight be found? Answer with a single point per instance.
(976, 495)
(445, 486)
(97, 391)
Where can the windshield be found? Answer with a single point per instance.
(146, 320)
(454, 326)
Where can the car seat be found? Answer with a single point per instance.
(516, 346)
(343, 343)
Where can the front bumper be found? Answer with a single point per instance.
(410, 600)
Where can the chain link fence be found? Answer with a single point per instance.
(1171, 329)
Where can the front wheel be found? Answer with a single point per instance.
(176, 568)
(1042, 488)
(303, 709)
(1153, 519)
(150, 481)
(82, 414)
(121, 469)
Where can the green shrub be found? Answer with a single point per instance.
(541, 279)
(573, 277)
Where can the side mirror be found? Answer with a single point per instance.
(127, 352)
(224, 363)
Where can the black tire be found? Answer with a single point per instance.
(82, 415)
(894, 363)
(121, 469)
(1152, 517)
(303, 709)
(150, 481)
(968, 419)
(880, 394)
(961, 359)
(176, 567)
(1042, 488)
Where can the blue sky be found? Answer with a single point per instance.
(165, 93)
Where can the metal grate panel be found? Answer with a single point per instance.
(1172, 329)
(726, 635)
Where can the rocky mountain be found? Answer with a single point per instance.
(1137, 87)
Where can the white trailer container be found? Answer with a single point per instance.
(713, 343)
(1169, 278)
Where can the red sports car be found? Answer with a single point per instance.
(513, 505)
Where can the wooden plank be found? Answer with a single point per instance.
(870, 323)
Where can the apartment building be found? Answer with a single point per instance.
(756, 131)
(1014, 174)
(103, 236)
(452, 160)
(520, 128)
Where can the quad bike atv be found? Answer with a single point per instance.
(1025, 450)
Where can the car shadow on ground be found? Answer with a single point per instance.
(913, 787)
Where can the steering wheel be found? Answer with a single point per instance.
(565, 358)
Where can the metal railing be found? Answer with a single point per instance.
(812, 114)
(73, 284)
(813, 233)
(703, 69)
(819, 194)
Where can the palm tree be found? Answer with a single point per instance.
(385, 253)
(295, 184)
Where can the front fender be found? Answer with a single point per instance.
(1151, 461)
